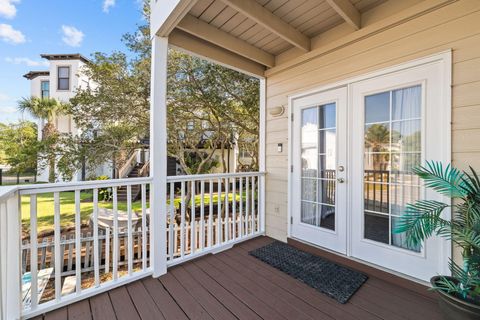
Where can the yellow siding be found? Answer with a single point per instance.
(455, 26)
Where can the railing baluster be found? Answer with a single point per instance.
(129, 230)
(58, 272)
(202, 214)
(172, 220)
(182, 220)
(144, 227)
(96, 262)
(192, 220)
(107, 250)
(234, 209)
(219, 211)
(227, 214)
(115, 234)
(254, 213)
(241, 208)
(210, 213)
(247, 206)
(33, 252)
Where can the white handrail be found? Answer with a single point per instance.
(130, 163)
(213, 176)
(72, 186)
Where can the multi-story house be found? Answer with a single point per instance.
(61, 81)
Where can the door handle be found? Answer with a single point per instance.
(340, 180)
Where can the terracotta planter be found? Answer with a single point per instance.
(454, 308)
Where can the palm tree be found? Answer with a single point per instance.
(377, 139)
(45, 109)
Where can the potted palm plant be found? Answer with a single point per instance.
(460, 292)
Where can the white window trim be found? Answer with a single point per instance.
(69, 78)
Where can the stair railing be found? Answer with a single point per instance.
(129, 165)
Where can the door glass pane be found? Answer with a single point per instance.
(327, 116)
(309, 189)
(318, 142)
(377, 108)
(406, 136)
(392, 147)
(309, 137)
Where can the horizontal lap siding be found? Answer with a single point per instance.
(456, 27)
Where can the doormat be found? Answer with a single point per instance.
(337, 282)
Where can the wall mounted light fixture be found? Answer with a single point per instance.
(276, 111)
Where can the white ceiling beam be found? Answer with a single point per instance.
(267, 19)
(347, 11)
(198, 47)
(209, 33)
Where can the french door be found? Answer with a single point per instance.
(319, 162)
(352, 165)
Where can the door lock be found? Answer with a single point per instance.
(340, 180)
(341, 168)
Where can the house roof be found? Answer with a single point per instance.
(33, 74)
(71, 56)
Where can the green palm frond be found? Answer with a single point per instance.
(471, 184)
(447, 181)
(465, 237)
(421, 220)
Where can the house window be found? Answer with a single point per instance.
(63, 78)
(45, 89)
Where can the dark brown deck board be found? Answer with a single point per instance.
(80, 310)
(163, 300)
(238, 308)
(59, 314)
(242, 294)
(264, 291)
(123, 305)
(101, 307)
(232, 284)
(208, 302)
(189, 305)
(273, 288)
(146, 307)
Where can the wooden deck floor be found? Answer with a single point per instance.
(234, 285)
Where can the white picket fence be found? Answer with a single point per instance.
(203, 214)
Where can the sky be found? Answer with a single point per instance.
(29, 28)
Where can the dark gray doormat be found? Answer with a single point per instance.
(335, 281)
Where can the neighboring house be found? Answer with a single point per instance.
(61, 81)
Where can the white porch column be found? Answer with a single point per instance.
(10, 259)
(158, 156)
(261, 152)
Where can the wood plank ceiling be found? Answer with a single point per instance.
(267, 28)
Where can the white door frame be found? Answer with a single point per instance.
(445, 59)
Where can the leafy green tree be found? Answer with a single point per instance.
(46, 109)
(19, 146)
(210, 107)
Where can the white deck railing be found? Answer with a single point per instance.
(40, 272)
(227, 209)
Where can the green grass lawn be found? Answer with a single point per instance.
(45, 208)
